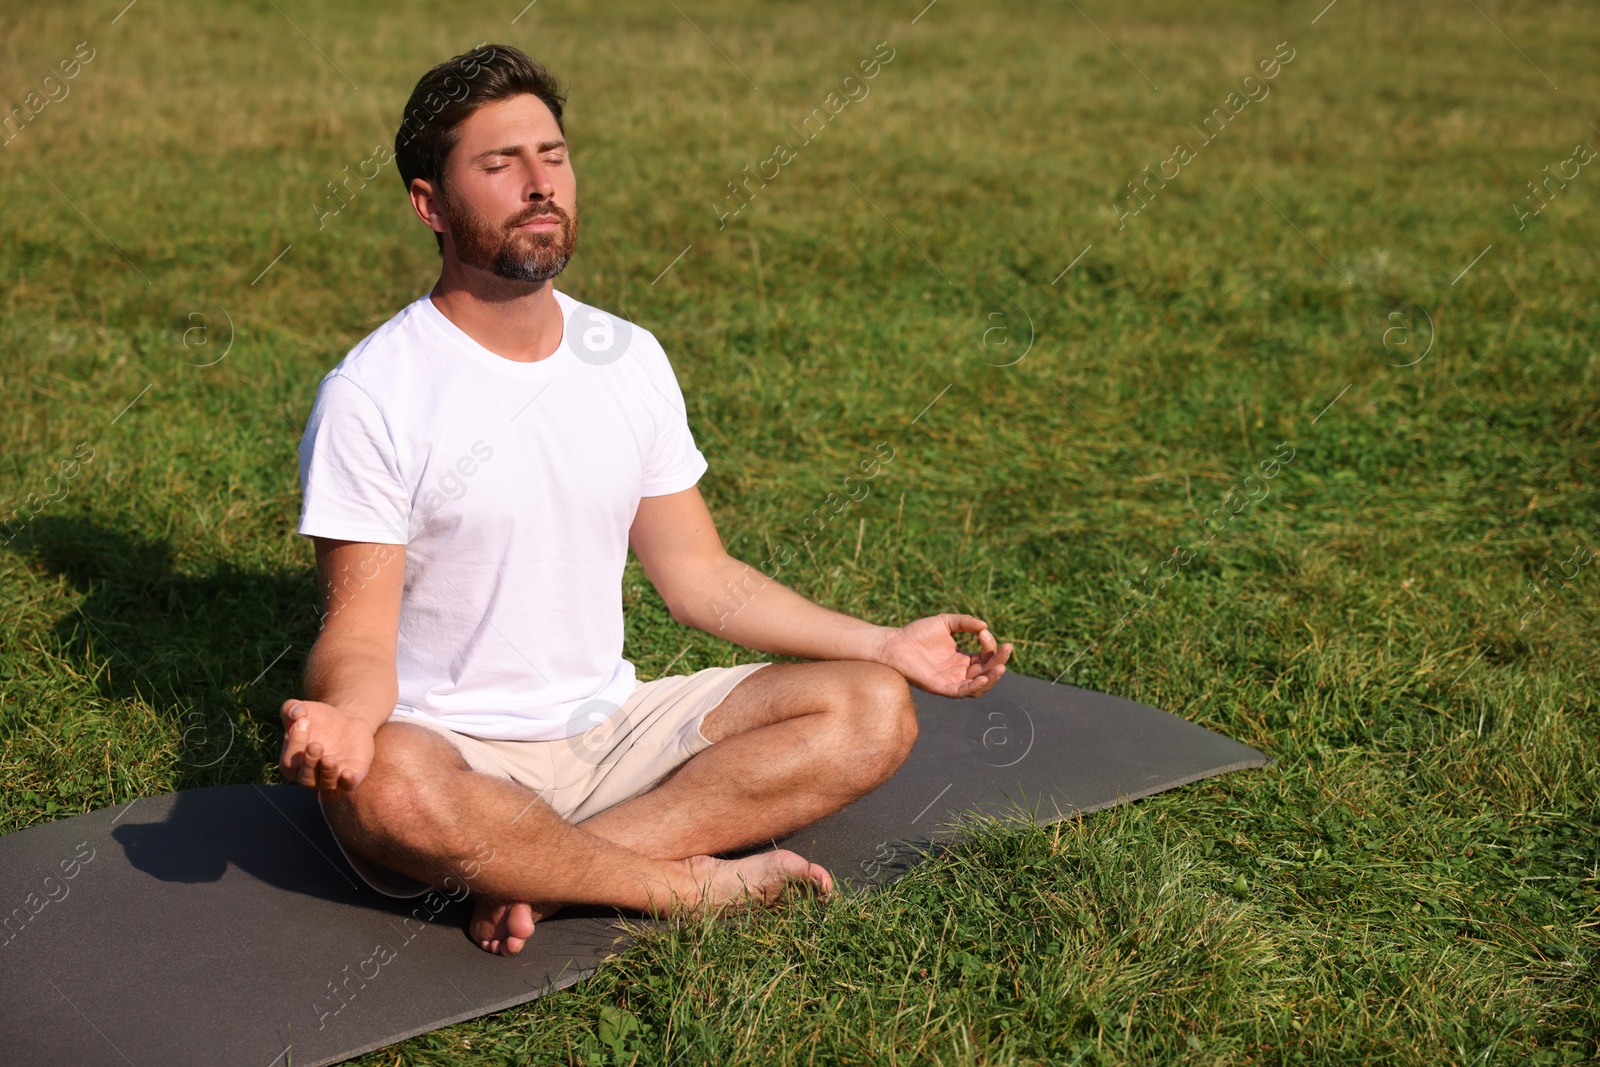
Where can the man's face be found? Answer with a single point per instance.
(509, 196)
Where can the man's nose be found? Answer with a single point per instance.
(540, 184)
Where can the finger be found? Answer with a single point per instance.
(311, 765)
(986, 640)
(964, 624)
(996, 656)
(291, 757)
(987, 680)
(291, 711)
(328, 773)
(294, 743)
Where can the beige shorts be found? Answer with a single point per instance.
(656, 730)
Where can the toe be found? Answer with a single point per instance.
(519, 922)
(492, 922)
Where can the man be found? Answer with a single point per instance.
(474, 472)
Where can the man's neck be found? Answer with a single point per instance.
(517, 320)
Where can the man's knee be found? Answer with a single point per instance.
(402, 802)
(876, 704)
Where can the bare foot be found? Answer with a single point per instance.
(760, 879)
(707, 885)
(502, 927)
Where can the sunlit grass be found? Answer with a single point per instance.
(1416, 880)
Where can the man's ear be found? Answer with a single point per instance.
(426, 202)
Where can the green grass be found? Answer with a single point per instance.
(1416, 880)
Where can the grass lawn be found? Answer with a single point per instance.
(1349, 273)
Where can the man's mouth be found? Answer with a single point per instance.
(540, 222)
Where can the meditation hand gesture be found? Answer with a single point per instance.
(925, 653)
(324, 747)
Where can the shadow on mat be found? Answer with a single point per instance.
(277, 836)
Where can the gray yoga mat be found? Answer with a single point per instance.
(223, 925)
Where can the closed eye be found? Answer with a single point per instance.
(548, 163)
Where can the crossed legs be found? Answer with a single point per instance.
(792, 742)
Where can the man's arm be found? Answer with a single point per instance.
(677, 543)
(351, 682)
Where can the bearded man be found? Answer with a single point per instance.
(474, 472)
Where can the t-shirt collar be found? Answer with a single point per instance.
(462, 342)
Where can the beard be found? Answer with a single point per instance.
(507, 252)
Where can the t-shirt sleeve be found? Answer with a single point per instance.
(675, 462)
(350, 480)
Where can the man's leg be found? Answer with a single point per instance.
(422, 811)
(792, 743)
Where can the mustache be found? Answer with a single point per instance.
(540, 212)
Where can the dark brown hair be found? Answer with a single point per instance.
(453, 90)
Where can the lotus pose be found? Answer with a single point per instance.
(474, 472)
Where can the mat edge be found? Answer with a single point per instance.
(567, 981)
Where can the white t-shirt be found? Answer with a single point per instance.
(512, 486)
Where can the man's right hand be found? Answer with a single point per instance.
(324, 747)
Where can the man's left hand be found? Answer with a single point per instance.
(925, 653)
